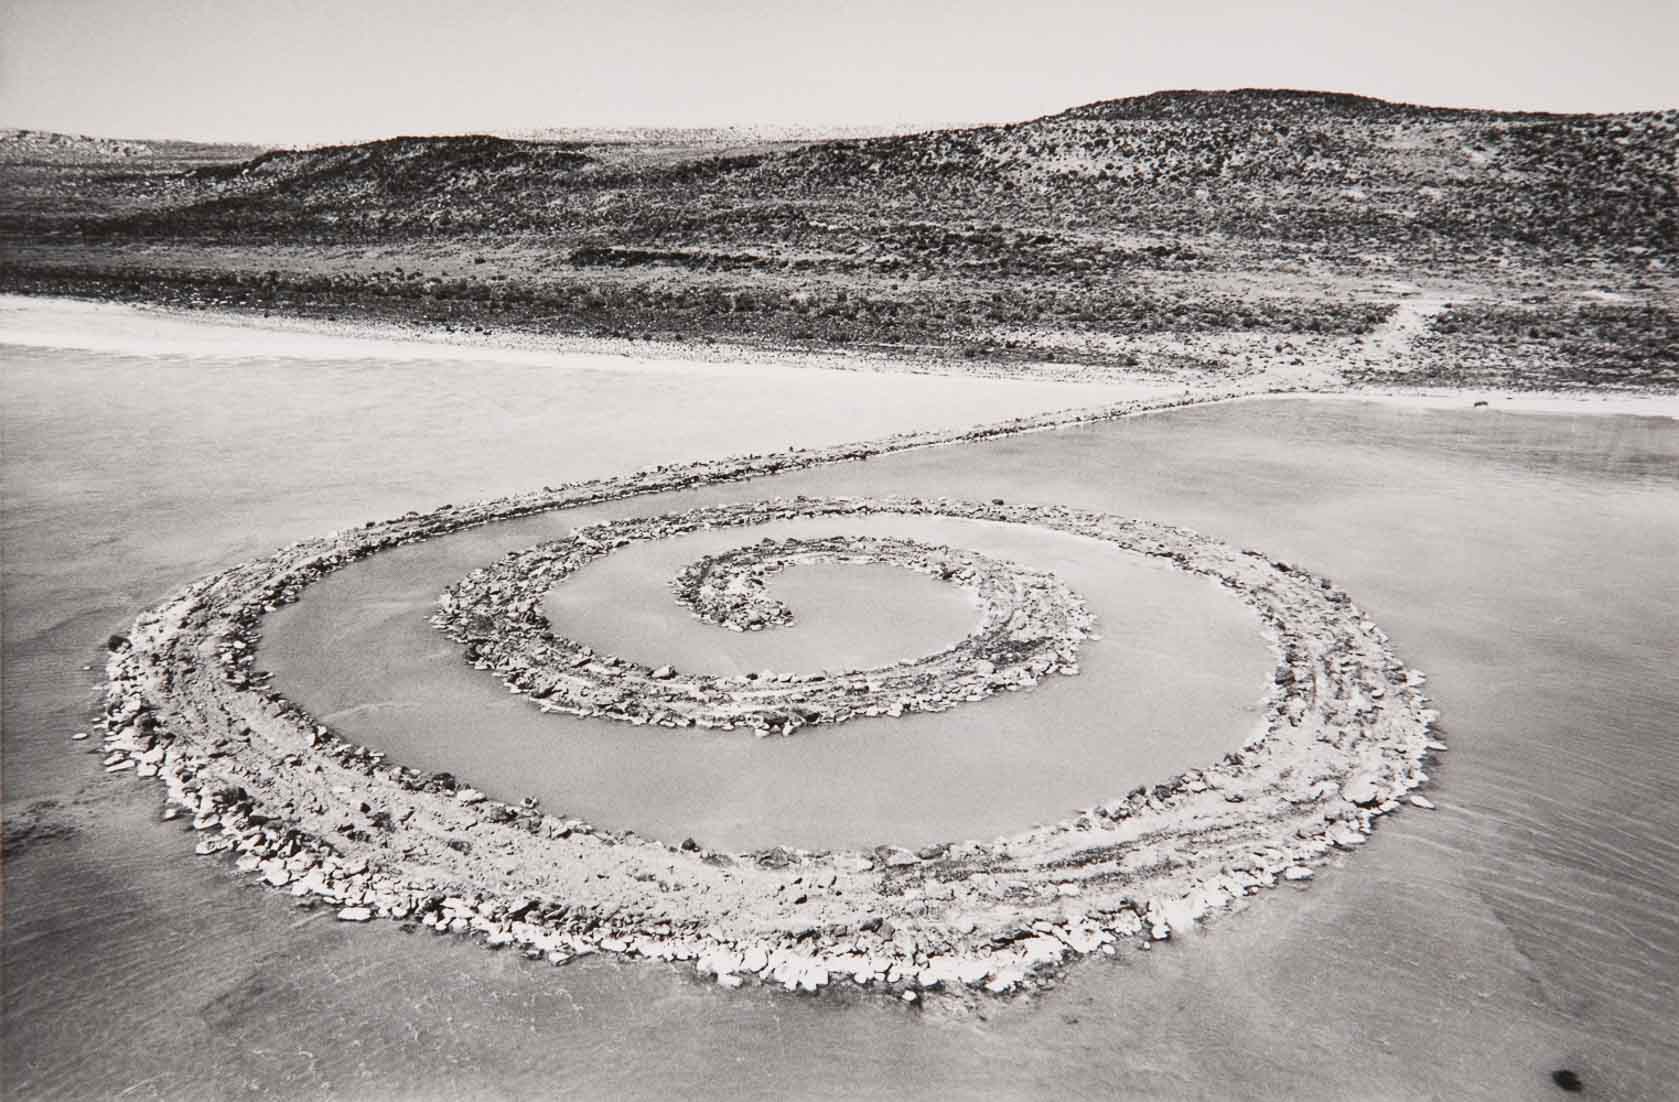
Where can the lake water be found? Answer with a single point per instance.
(1526, 562)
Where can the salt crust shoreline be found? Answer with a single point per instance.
(76, 323)
(1345, 736)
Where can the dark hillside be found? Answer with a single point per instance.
(1277, 170)
(398, 183)
(1291, 168)
(1206, 216)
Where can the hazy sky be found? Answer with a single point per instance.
(292, 71)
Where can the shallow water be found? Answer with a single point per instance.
(1524, 561)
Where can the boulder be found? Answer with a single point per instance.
(1362, 790)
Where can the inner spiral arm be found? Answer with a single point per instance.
(1030, 626)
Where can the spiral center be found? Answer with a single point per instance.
(1030, 626)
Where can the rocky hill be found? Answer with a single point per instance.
(453, 183)
(1176, 214)
(1297, 167)
(1278, 167)
(1271, 169)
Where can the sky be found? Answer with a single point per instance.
(307, 71)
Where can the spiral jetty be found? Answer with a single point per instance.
(1344, 737)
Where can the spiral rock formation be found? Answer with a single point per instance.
(1344, 735)
(1030, 626)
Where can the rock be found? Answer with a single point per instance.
(1042, 950)
(664, 673)
(355, 914)
(1423, 802)
(1004, 981)
(470, 796)
(1297, 872)
(1084, 939)
(1362, 790)
(1568, 1080)
(1159, 923)
(1346, 836)
(812, 976)
(901, 858)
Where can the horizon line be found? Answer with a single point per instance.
(884, 128)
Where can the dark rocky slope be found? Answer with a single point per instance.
(1200, 213)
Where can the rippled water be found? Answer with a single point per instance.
(1526, 562)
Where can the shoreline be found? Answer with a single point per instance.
(1590, 403)
(210, 330)
(1344, 741)
(227, 332)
